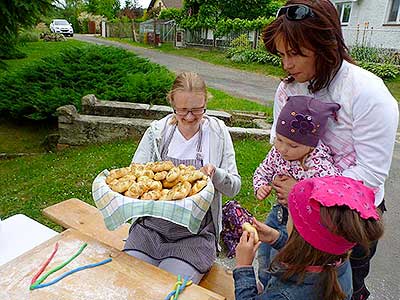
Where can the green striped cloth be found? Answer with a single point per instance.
(118, 209)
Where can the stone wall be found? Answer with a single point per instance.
(129, 121)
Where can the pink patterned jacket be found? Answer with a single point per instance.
(319, 163)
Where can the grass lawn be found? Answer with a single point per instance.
(31, 183)
(218, 58)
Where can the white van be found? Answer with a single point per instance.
(61, 26)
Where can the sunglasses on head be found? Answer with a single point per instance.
(295, 12)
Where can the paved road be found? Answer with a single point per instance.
(238, 83)
(384, 279)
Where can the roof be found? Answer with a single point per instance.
(168, 3)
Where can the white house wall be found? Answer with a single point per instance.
(366, 28)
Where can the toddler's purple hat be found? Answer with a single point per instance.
(308, 195)
(303, 119)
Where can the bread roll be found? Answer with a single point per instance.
(250, 228)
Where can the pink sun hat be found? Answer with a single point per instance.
(306, 198)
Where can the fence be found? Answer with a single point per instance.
(164, 30)
(205, 38)
(365, 36)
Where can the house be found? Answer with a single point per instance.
(374, 23)
(165, 4)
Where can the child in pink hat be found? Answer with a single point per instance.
(327, 217)
(297, 152)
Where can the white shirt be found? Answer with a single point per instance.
(181, 148)
(362, 140)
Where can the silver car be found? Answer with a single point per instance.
(62, 26)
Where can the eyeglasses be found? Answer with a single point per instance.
(296, 12)
(184, 111)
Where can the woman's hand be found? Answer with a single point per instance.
(208, 170)
(266, 233)
(246, 250)
(283, 185)
(263, 192)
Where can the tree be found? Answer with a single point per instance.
(70, 9)
(15, 14)
(231, 9)
(106, 8)
(132, 10)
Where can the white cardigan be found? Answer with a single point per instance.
(362, 140)
(226, 179)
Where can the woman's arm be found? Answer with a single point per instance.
(375, 121)
(226, 178)
(145, 149)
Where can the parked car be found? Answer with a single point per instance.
(62, 26)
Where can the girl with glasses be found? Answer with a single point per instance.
(187, 137)
(307, 36)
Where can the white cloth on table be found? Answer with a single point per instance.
(19, 234)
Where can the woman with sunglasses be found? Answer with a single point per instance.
(307, 36)
(190, 137)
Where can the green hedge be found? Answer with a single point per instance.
(37, 90)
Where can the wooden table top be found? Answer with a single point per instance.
(124, 278)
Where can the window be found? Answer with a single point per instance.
(394, 15)
(344, 10)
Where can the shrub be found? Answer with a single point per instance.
(375, 55)
(240, 51)
(238, 45)
(52, 37)
(384, 71)
(36, 91)
(26, 36)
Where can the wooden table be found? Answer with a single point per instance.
(123, 278)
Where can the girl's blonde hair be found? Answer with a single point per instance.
(187, 82)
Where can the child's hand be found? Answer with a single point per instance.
(246, 250)
(263, 192)
(266, 233)
(283, 185)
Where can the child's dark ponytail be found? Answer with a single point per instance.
(331, 287)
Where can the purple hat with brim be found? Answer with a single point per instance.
(303, 119)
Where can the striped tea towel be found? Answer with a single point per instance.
(118, 209)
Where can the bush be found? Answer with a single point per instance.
(238, 45)
(26, 36)
(240, 51)
(52, 37)
(375, 55)
(36, 91)
(384, 71)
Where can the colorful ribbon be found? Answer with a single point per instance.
(178, 288)
(45, 264)
(39, 286)
(37, 283)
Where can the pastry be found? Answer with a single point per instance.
(197, 187)
(250, 228)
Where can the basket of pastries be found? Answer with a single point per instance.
(181, 194)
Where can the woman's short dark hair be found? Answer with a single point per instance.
(320, 33)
